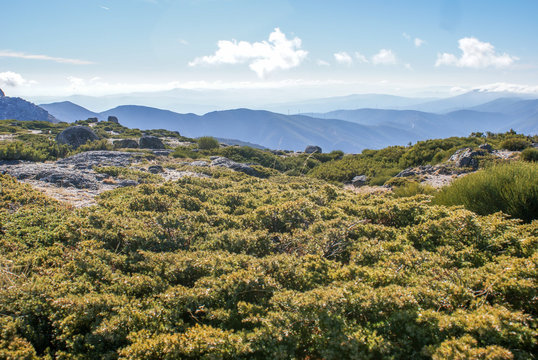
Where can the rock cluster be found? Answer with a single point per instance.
(113, 119)
(230, 164)
(151, 142)
(76, 136)
(466, 157)
(310, 149)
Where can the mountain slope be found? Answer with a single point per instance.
(68, 111)
(20, 109)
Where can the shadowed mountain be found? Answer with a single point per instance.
(347, 130)
(68, 111)
(19, 109)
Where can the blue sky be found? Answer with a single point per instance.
(307, 48)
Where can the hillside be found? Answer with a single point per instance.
(20, 109)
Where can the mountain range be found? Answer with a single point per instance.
(347, 130)
(350, 130)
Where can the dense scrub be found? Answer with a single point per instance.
(236, 267)
(380, 165)
(511, 188)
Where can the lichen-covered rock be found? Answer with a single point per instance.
(76, 136)
(359, 180)
(150, 142)
(466, 157)
(310, 149)
(486, 147)
(89, 159)
(227, 163)
(113, 119)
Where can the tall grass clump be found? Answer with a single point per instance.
(511, 188)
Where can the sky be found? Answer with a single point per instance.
(285, 48)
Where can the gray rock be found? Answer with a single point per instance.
(466, 157)
(150, 142)
(310, 149)
(113, 119)
(199, 163)
(486, 147)
(2, 93)
(155, 169)
(165, 152)
(92, 119)
(407, 172)
(76, 136)
(49, 173)
(126, 144)
(359, 180)
(227, 163)
(124, 183)
(89, 159)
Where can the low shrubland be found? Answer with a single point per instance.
(236, 267)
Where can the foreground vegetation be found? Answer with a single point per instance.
(281, 268)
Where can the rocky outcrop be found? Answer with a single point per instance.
(76, 136)
(2, 93)
(126, 144)
(486, 147)
(150, 142)
(310, 149)
(113, 119)
(466, 157)
(89, 159)
(230, 164)
(20, 109)
(359, 180)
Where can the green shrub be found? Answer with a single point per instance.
(208, 143)
(529, 154)
(515, 144)
(412, 189)
(96, 145)
(511, 188)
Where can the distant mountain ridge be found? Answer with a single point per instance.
(347, 130)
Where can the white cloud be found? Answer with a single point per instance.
(475, 54)
(506, 87)
(343, 58)
(406, 36)
(384, 57)
(408, 67)
(419, 42)
(263, 57)
(104, 7)
(360, 57)
(12, 79)
(20, 55)
(322, 63)
(183, 42)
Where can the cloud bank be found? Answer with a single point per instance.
(12, 79)
(20, 55)
(475, 54)
(262, 57)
